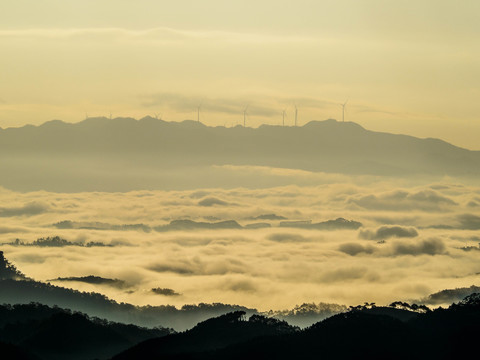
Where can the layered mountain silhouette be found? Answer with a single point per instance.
(401, 330)
(365, 332)
(209, 336)
(82, 156)
(54, 333)
(16, 288)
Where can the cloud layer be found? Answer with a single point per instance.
(399, 253)
(385, 232)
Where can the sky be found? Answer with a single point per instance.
(405, 67)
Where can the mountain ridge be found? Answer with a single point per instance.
(85, 156)
(148, 120)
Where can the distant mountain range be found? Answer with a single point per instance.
(57, 153)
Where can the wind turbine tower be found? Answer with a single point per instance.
(198, 113)
(343, 110)
(283, 117)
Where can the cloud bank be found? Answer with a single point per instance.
(386, 232)
(267, 267)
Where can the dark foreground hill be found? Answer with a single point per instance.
(12, 352)
(209, 336)
(362, 333)
(92, 154)
(38, 331)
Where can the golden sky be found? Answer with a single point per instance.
(406, 66)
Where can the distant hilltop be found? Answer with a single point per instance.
(151, 144)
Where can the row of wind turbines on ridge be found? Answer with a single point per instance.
(245, 114)
(284, 114)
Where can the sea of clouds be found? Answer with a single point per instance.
(418, 237)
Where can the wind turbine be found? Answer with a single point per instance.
(158, 117)
(283, 117)
(198, 112)
(343, 110)
(245, 115)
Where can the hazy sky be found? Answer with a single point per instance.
(405, 66)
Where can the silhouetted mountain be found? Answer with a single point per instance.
(55, 241)
(337, 224)
(194, 225)
(209, 336)
(269, 217)
(186, 224)
(54, 333)
(449, 296)
(165, 291)
(67, 224)
(365, 332)
(69, 157)
(96, 280)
